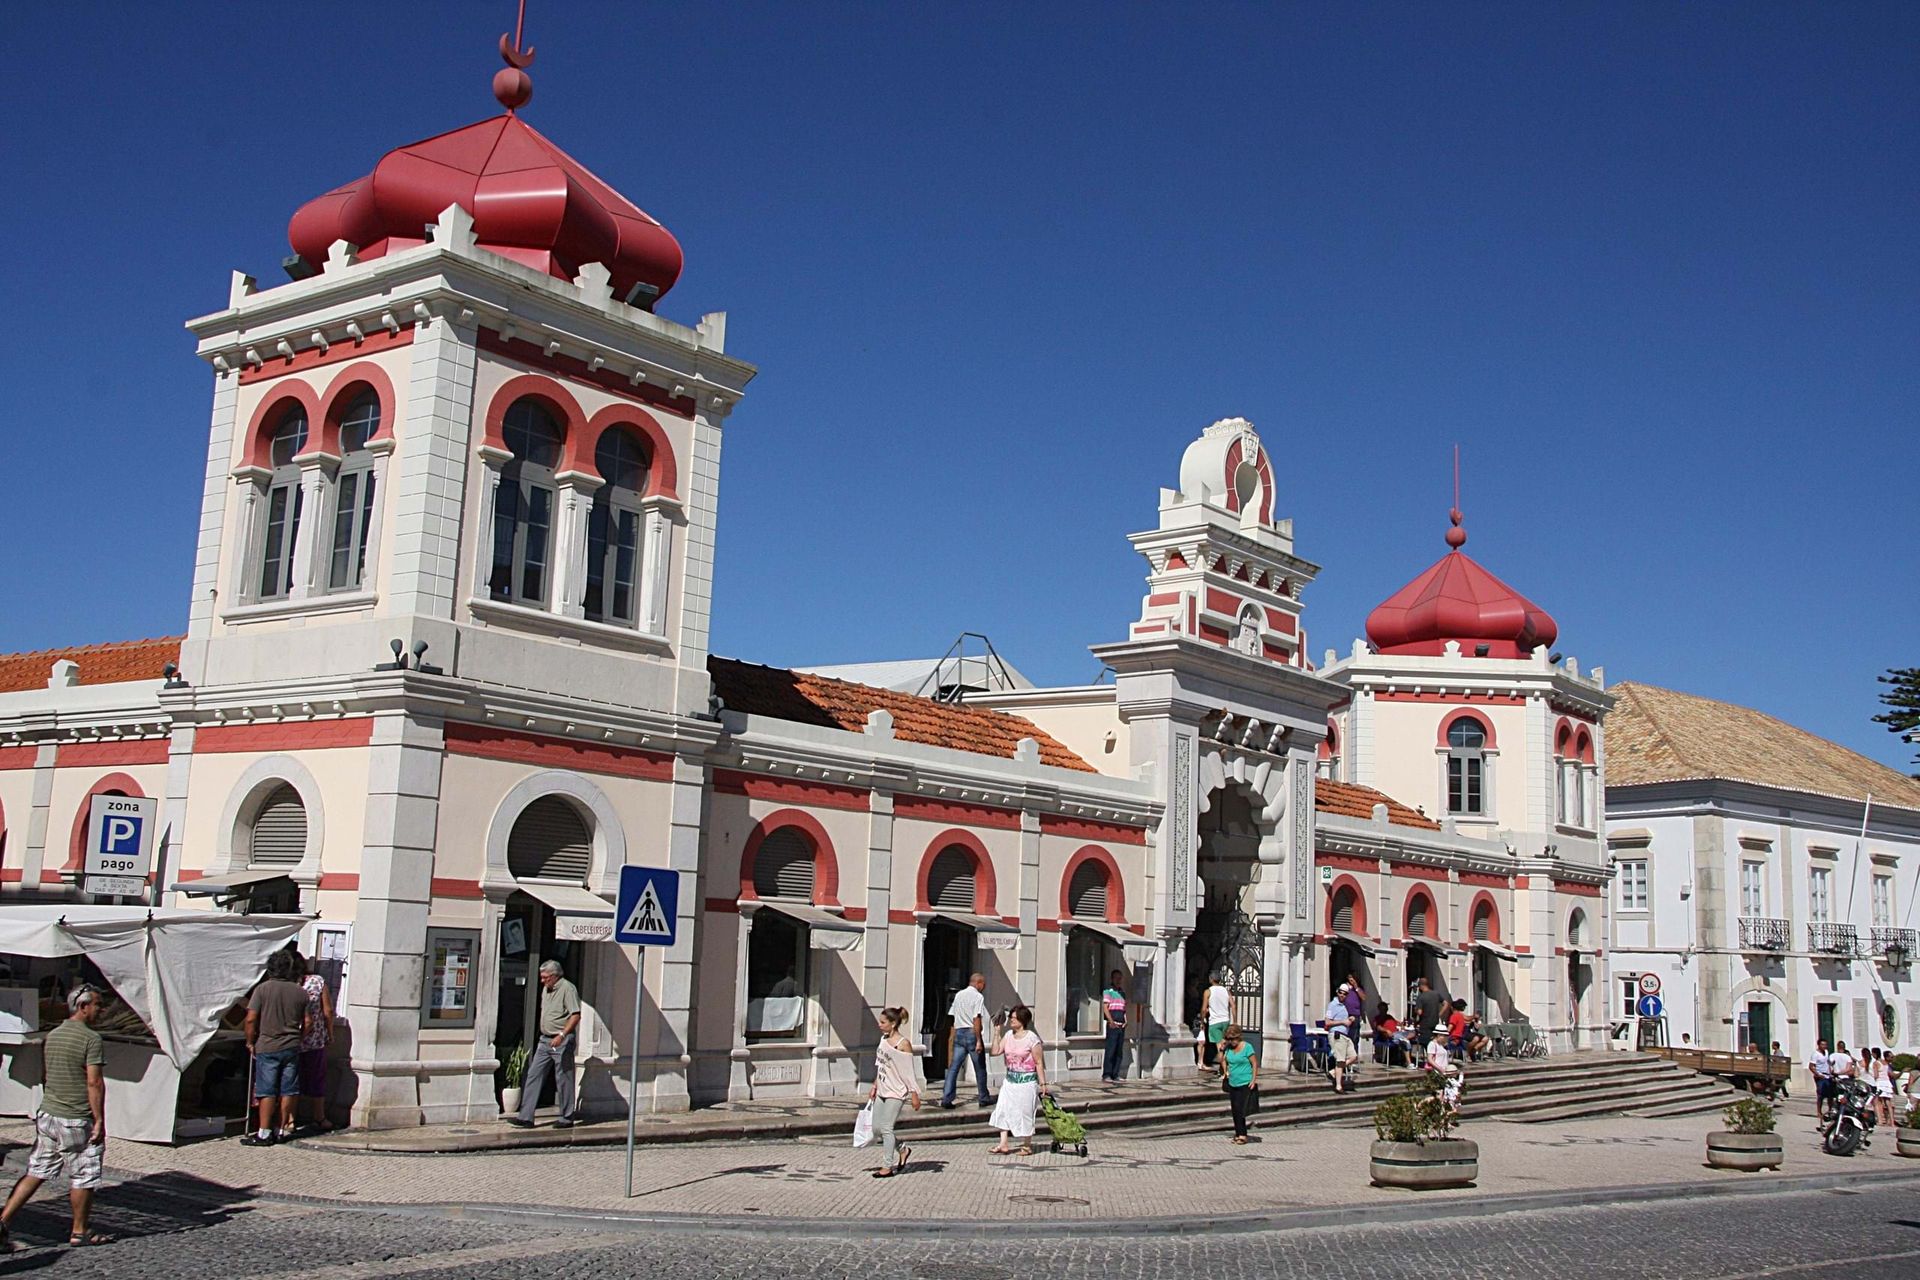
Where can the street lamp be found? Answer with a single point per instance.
(1897, 954)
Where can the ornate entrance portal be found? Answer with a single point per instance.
(1226, 942)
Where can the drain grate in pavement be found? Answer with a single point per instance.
(1066, 1200)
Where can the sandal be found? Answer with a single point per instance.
(999, 1151)
(1024, 1151)
(900, 1161)
(883, 1173)
(81, 1239)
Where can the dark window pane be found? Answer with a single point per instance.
(533, 554)
(289, 436)
(531, 433)
(597, 521)
(359, 421)
(341, 572)
(506, 510)
(620, 460)
(273, 554)
(626, 556)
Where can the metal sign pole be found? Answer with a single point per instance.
(633, 1059)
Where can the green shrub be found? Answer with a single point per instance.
(1418, 1114)
(1397, 1119)
(1905, 1062)
(1910, 1118)
(514, 1070)
(1750, 1115)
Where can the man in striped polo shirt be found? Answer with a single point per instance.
(70, 1129)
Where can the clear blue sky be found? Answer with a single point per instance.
(1655, 268)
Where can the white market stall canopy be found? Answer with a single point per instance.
(178, 970)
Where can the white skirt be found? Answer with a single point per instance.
(1015, 1110)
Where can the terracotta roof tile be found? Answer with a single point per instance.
(1350, 800)
(113, 663)
(1658, 735)
(841, 704)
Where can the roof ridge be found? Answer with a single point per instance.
(88, 647)
(1660, 729)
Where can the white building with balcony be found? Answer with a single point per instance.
(1752, 874)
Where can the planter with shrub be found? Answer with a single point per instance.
(513, 1073)
(1413, 1148)
(1748, 1143)
(1906, 1138)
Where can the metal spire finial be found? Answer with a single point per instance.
(1456, 536)
(512, 86)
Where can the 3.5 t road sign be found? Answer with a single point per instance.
(648, 908)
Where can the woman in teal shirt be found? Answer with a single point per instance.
(1242, 1068)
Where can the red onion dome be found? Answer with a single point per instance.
(1459, 600)
(530, 201)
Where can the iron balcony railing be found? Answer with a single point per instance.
(1833, 939)
(1760, 933)
(1885, 941)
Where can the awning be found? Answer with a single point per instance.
(825, 930)
(1117, 934)
(578, 916)
(1428, 944)
(1495, 949)
(230, 883)
(1365, 945)
(989, 934)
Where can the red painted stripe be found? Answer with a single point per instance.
(18, 757)
(9, 875)
(534, 355)
(1484, 880)
(1578, 890)
(284, 735)
(80, 755)
(1086, 829)
(468, 889)
(312, 358)
(191, 873)
(52, 877)
(345, 881)
(796, 791)
(1347, 862)
(960, 815)
(1410, 871)
(1163, 598)
(549, 752)
(1465, 699)
(1220, 602)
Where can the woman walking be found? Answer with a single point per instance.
(1882, 1075)
(893, 1087)
(1013, 1114)
(313, 1047)
(1243, 1077)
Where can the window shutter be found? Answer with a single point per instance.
(952, 880)
(1483, 926)
(1417, 919)
(1087, 892)
(550, 842)
(1574, 927)
(1343, 912)
(783, 867)
(279, 831)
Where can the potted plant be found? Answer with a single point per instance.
(1748, 1143)
(513, 1074)
(1412, 1148)
(1906, 1138)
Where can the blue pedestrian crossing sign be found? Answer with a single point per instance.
(1650, 1007)
(648, 908)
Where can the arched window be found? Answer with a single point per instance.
(1345, 902)
(280, 529)
(523, 505)
(279, 834)
(1329, 762)
(1576, 928)
(783, 866)
(1466, 767)
(1087, 892)
(1483, 930)
(550, 841)
(353, 493)
(952, 880)
(613, 529)
(1420, 916)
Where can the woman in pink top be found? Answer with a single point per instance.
(1020, 1094)
(893, 1087)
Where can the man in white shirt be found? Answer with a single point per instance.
(1341, 1052)
(1821, 1065)
(967, 1039)
(1219, 1012)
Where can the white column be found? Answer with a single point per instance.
(210, 550)
(430, 478)
(382, 451)
(244, 564)
(313, 535)
(575, 501)
(656, 555)
(493, 462)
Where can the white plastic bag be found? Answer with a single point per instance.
(863, 1127)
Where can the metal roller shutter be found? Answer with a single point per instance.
(1087, 892)
(550, 841)
(951, 881)
(279, 831)
(783, 866)
(1417, 925)
(1343, 911)
(1483, 925)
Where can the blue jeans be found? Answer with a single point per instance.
(276, 1074)
(965, 1048)
(1116, 1049)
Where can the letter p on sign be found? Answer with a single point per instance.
(122, 836)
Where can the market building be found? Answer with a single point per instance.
(1765, 875)
(446, 671)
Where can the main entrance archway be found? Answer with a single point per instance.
(1226, 942)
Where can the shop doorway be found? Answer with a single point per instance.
(1579, 981)
(946, 962)
(1756, 1026)
(527, 941)
(1424, 961)
(1828, 1018)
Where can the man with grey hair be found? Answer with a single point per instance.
(70, 1129)
(967, 1039)
(553, 1055)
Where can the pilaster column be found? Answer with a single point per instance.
(493, 462)
(212, 546)
(666, 1064)
(243, 573)
(1029, 954)
(574, 501)
(656, 562)
(382, 451)
(430, 474)
(311, 536)
(873, 976)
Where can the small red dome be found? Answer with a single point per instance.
(530, 201)
(1456, 599)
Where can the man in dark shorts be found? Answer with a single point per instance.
(1426, 1015)
(276, 1020)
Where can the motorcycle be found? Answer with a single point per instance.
(1849, 1121)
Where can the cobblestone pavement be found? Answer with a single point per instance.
(167, 1230)
(1124, 1179)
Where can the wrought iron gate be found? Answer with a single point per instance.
(1227, 945)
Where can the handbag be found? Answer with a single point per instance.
(863, 1127)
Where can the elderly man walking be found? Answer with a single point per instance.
(70, 1129)
(967, 1040)
(559, 1023)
